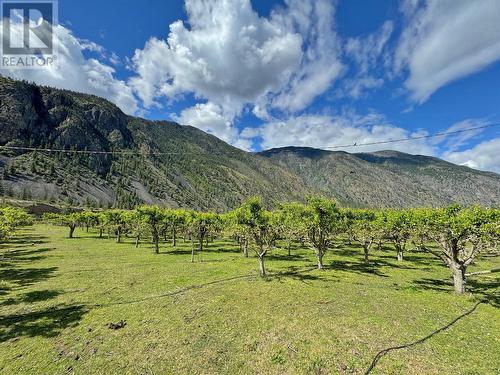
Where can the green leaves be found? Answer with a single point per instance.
(12, 218)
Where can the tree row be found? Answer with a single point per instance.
(455, 235)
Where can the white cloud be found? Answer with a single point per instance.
(445, 40)
(226, 53)
(229, 56)
(455, 141)
(320, 64)
(483, 156)
(321, 131)
(210, 118)
(366, 53)
(75, 72)
(355, 88)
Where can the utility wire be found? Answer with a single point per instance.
(442, 134)
(91, 152)
(131, 152)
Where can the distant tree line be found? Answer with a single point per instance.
(456, 235)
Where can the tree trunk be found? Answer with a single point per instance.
(71, 231)
(290, 248)
(118, 236)
(400, 252)
(155, 241)
(192, 250)
(458, 278)
(100, 232)
(200, 248)
(137, 241)
(262, 267)
(174, 237)
(366, 249)
(245, 248)
(320, 256)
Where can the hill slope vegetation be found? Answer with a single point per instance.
(388, 178)
(180, 166)
(177, 165)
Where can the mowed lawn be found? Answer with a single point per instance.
(217, 316)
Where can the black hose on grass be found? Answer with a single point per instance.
(385, 351)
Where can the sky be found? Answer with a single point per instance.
(261, 74)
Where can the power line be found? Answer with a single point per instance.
(139, 153)
(92, 152)
(413, 138)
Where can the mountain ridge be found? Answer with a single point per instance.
(389, 178)
(177, 165)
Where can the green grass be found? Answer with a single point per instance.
(217, 316)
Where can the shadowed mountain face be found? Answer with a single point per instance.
(388, 178)
(169, 164)
(177, 165)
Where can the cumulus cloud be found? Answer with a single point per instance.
(225, 53)
(76, 72)
(444, 40)
(320, 64)
(229, 56)
(323, 131)
(210, 118)
(483, 156)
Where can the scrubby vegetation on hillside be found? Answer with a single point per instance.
(160, 162)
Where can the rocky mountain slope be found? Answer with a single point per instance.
(169, 164)
(162, 162)
(388, 178)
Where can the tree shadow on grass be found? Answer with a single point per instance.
(22, 241)
(487, 290)
(372, 268)
(45, 322)
(300, 274)
(285, 257)
(219, 250)
(48, 322)
(178, 251)
(23, 277)
(347, 252)
(23, 255)
(31, 297)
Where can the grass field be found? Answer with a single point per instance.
(217, 316)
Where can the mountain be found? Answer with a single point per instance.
(388, 178)
(158, 162)
(177, 165)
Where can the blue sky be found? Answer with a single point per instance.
(262, 74)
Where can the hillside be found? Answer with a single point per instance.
(169, 164)
(195, 170)
(388, 178)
